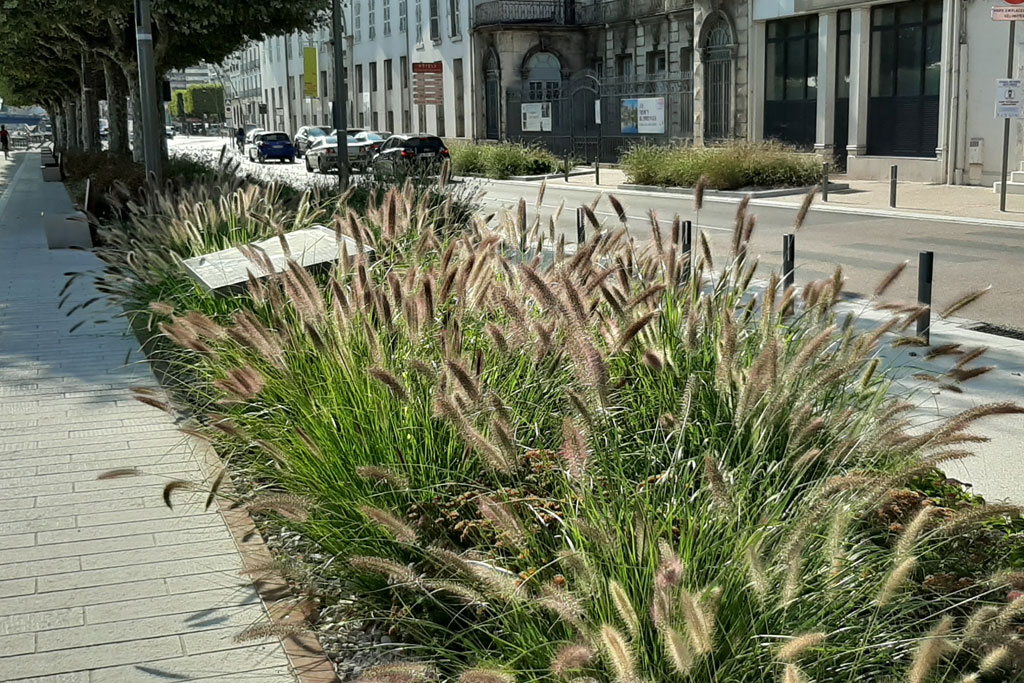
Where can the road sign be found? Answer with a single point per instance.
(1009, 101)
(1008, 14)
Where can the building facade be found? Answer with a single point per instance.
(910, 83)
(872, 84)
(243, 92)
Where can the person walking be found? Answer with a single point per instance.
(5, 142)
(240, 139)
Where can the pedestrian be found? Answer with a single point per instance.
(5, 142)
(240, 138)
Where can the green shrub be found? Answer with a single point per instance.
(503, 160)
(727, 167)
(499, 462)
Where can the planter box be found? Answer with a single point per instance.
(754, 193)
(52, 174)
(67, 230)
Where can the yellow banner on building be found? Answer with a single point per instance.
(310, 69)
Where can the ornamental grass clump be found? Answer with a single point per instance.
(535, 463)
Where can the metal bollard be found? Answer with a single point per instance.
(687, 238)
(824, 182)
(581, 227)
(893, 175)
(788, 261)
(925, 263)
(597, 172)
(567, 166)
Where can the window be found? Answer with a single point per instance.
(435, 20)
(371, 19)
(387, 17)
(843, 57)
(390, 121)
(406, 121)
(357, 15)
(454, 17)
(686, 61)
(419, 21)
(403, 64)
(656, 63)
(439, 114)
(389, 81)
(460, 99)
(323, 84)
(624, 67)
(905, 74)
(403, 16)
(791, 80)
(359, 78)
(376, 121)
(373, 76)
(543, 77)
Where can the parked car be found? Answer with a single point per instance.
(323, 156)
(307, 136)
(407, 154)
(169, 132)
(373, 139)
(251, 134)
(275, 145)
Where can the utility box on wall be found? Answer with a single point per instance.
(975, 160)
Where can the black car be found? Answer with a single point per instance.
(410, 154)
(308, 136)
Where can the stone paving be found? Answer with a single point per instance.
(99, 581)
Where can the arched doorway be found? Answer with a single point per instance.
(719, 66)
(492, 96)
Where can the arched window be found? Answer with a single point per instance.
(492, 96)
(543, 76)
(719, 50)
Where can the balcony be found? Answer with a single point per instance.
(524, 13)
(498, 13)
(610, 12)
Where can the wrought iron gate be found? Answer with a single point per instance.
(718, 77)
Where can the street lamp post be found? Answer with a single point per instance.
(340, 94)
(151, 128)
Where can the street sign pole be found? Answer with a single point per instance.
(1006, 123)
(152, 127)
(340, 94)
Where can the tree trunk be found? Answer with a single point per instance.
(117, 109)
(90, 109)
(131, 75)
(73, 134)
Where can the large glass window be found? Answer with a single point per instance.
(791, 80)
(906, 61)
(543, 76)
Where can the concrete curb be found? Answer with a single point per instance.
(734, 194)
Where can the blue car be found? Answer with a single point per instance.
(276, 145)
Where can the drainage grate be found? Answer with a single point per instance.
(999, 330)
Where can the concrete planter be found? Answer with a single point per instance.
(66, 231)
(52, 174)
(736, 194)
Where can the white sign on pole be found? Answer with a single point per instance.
(536, 116)
(1009, 103)
(1008, 13)
(597, 110)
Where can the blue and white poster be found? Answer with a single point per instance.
(642, 115)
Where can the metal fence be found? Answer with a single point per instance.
(573, 114)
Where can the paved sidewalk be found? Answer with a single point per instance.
(99, 581)
(962, 201)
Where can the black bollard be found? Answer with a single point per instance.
(788, 261)
(581, 228)
(925, 263)
(893, 174)
(824, 182)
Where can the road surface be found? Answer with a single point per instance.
(969, 254)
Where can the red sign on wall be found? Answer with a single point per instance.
(427, 67)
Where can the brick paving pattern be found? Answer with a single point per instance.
(99, 581)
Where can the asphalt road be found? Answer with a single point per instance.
(969, 255)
